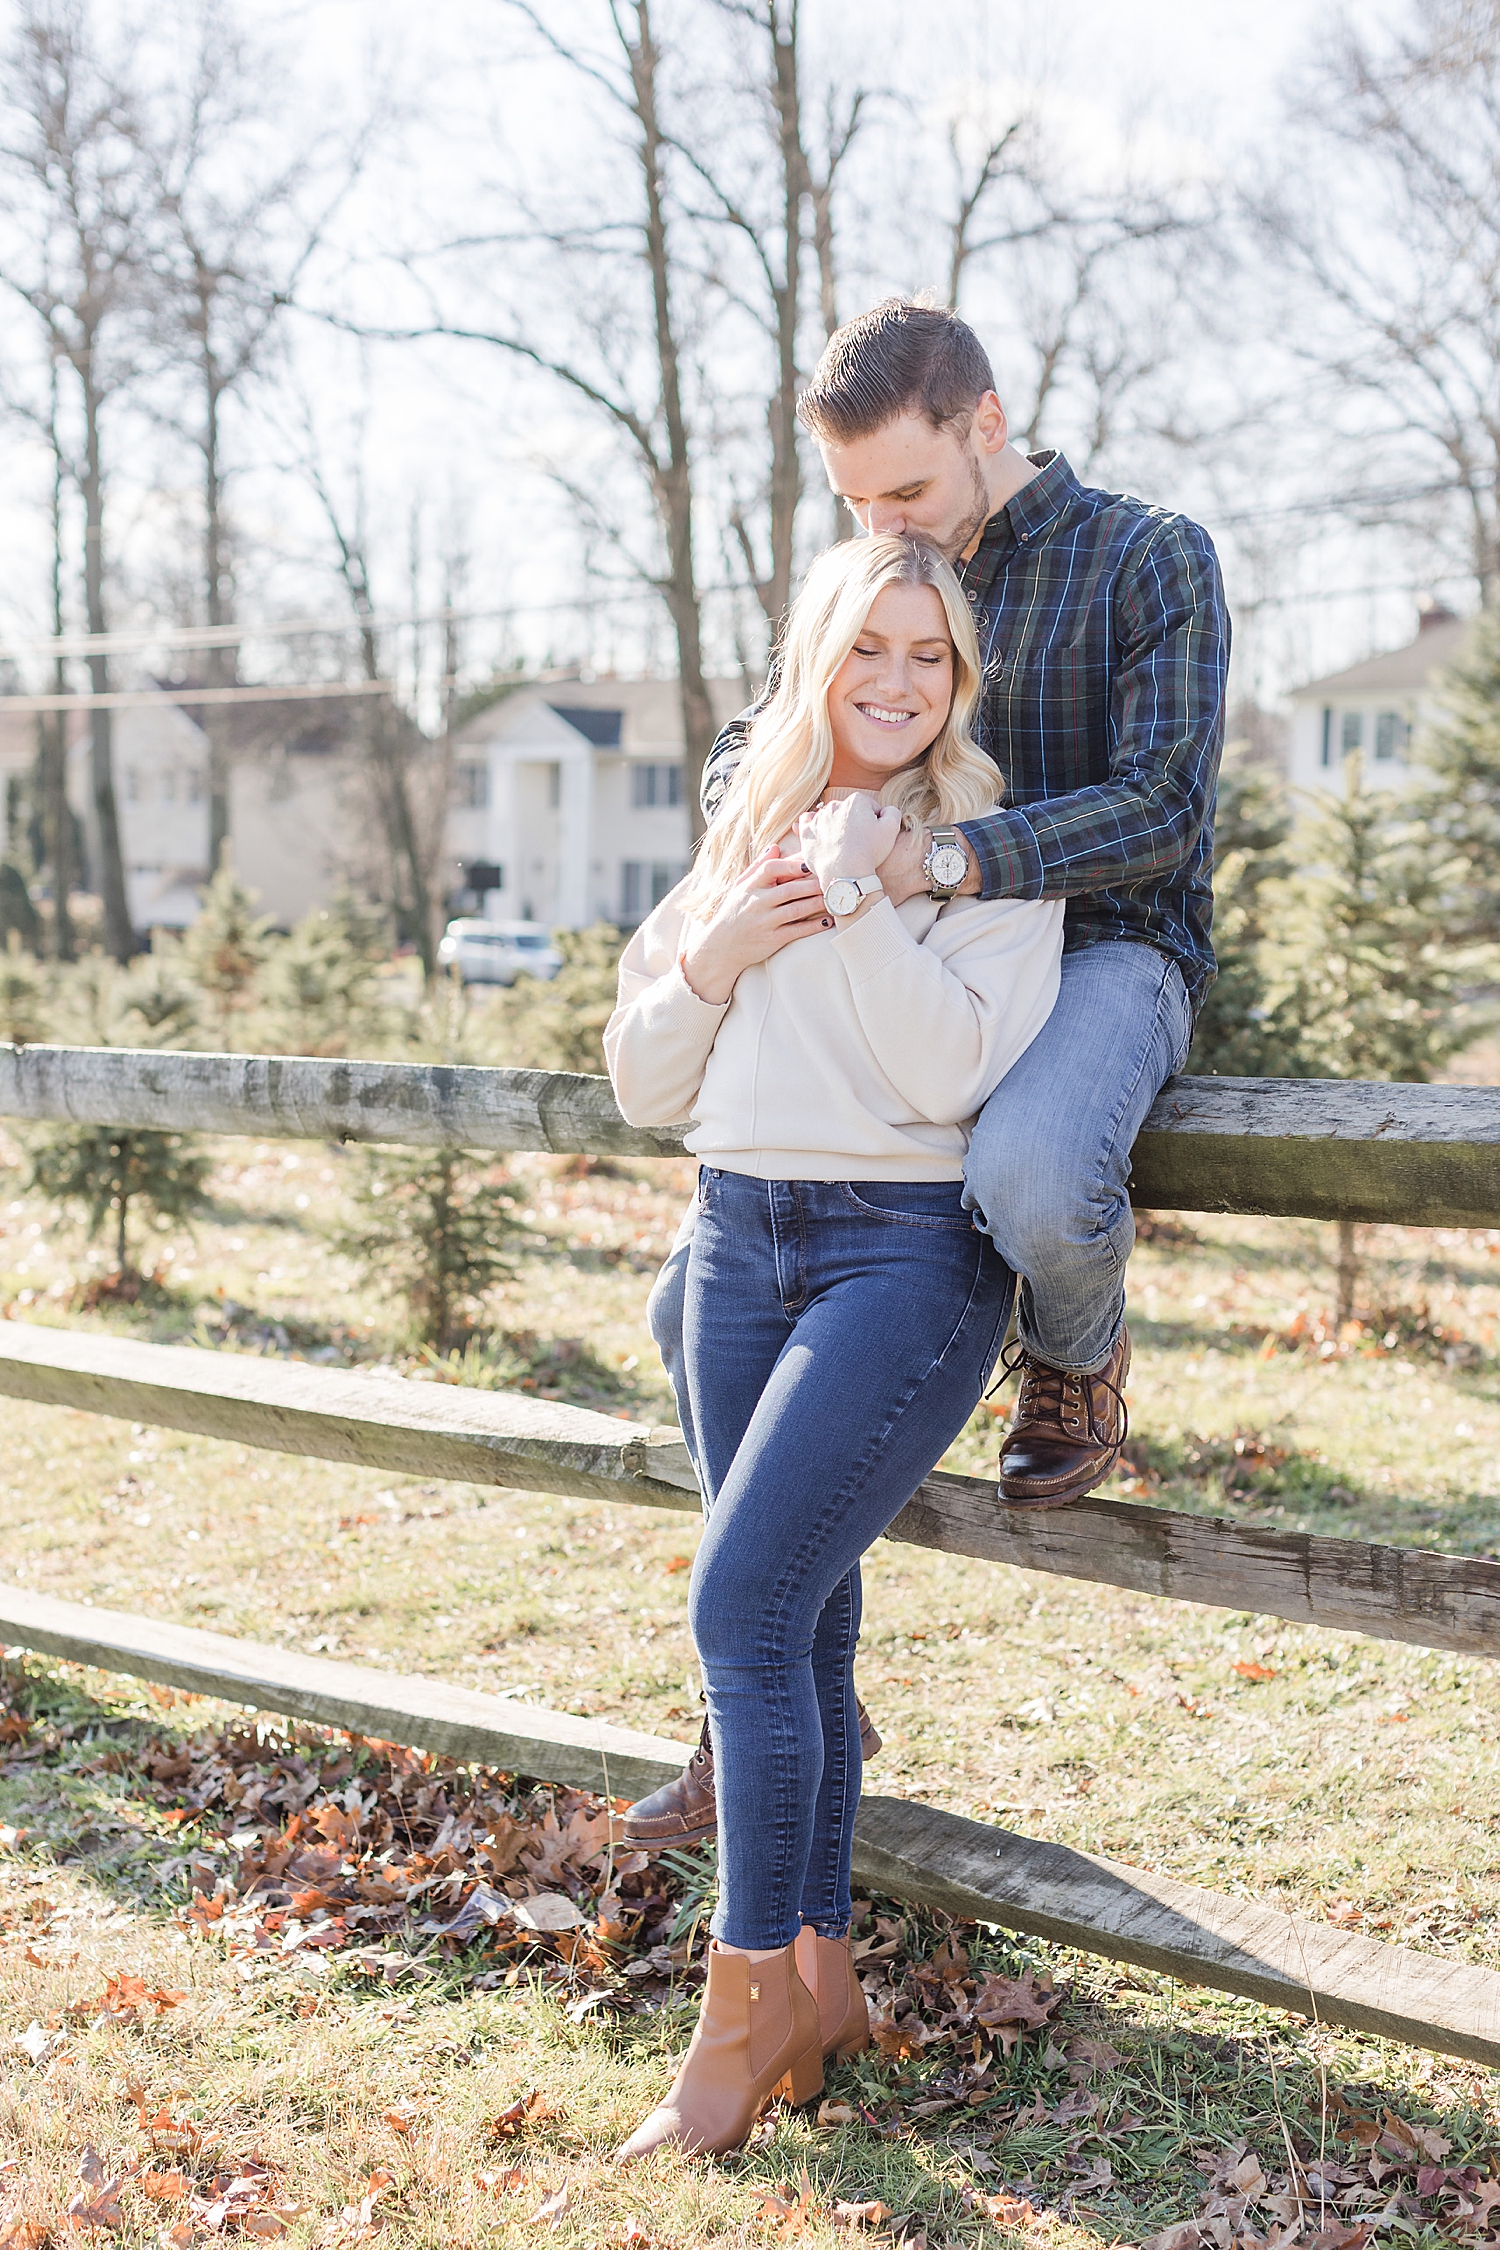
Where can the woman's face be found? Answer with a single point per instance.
(890, 697)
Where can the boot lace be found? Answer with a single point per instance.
(1056, 1395)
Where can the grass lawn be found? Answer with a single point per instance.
(1348, 1779)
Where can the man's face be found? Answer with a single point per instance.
(908, 477)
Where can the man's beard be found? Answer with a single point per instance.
(970, 525)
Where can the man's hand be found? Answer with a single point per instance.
(773, 902)
(904, 875)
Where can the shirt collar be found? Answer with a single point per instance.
(1029, 513)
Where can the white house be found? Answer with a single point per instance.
(569, 803)
(160, 759)
(1373, 708)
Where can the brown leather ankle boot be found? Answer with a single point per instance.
(826, 1967)
(684, 1811)
(1067, 1431)
(756, 2038)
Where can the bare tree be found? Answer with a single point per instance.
(233, 246)
(78, 209)
(52, 726)
(1388, 233)
(776, 225)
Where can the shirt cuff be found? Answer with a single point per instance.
(679, 1002)
(1010, 859)
(873, 943)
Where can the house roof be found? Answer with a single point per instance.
(1403, 670)
(636, 717)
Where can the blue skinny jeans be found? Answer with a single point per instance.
(1048, 1170)
(836, 1338)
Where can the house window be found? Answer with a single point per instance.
(133, 784)
(1390, 734)
(1327, 755)
(554, 785)
(169, 786)
(652, 786)
(644, 883)
(195, 785)
(1352, 734)
(471, 787)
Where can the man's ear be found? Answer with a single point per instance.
(990, 427)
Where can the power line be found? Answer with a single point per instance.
(138, 699)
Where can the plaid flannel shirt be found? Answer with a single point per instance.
(1105, 639)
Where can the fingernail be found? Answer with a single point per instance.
(805, 868)
(827, 922)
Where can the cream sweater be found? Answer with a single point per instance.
(862, 1053)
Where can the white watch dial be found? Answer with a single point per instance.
(948, 866)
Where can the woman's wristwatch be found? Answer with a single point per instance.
(945, 865)
(846, 894)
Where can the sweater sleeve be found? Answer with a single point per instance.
(947, 1017)
(657, 1042)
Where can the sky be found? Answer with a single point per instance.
(460, 443)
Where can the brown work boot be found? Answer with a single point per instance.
(1066, 1432)
(684, 1812)
(757, 2040)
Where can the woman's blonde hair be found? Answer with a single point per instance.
(789, 755)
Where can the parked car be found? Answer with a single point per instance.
(498, 952)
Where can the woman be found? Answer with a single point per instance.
(843, 1313)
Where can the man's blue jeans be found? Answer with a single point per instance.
(1049, 1163)
(838, 1335)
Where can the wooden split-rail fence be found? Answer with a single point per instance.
(1408, 1155)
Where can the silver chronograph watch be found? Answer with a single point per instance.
(945, 865)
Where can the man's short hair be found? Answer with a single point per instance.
(901, 357)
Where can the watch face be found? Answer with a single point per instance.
(842, 896)
(948, 866)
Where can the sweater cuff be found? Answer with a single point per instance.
(674, 1001)
(873, 944)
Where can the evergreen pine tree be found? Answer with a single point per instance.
(1236, 1036)
(225, 948)
(111, 1173)
(560, 1025)
(322, 983)
(1460, 751)
(23, 998)
(428, 1225)
(1371, 981)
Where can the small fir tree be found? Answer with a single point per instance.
(1236, 1035)
(18, 914)
(428, 1225)
(23, 995)
(322, 983)
(1460, 751)
(224, 950)
(1372, 984)
(560, 1025)
(111, 1174)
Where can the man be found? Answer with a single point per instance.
(1106, 644)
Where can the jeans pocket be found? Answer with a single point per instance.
(910, 1203)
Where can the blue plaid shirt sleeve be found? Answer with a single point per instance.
(1167, 708)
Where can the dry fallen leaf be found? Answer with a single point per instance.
(873, 2214)
(1249, 1671)
(166, 2187)
(831, 2114)
(527, 2109)
(502, 2183)
(25, 2234)
(554, 2210)
(1186, 2235)
(35, 2042)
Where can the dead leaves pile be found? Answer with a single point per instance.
(242, 2199)
(397, 1862)
(940, 2007)
(1377, 2174)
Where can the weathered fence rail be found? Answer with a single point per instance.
(906, 1849)
(531, 1445)
(1288, 1147)
(1410, 1155)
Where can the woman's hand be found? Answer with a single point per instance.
(773, 902)
(851, 836)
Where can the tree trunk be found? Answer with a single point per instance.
(672, 477)
(52, 760)
(119, 933)
(222, 668)
(122, 1251)
(1348, 1270)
